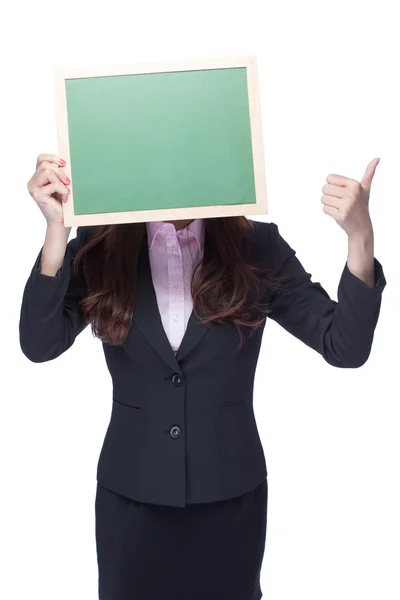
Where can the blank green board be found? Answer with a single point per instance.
(160, 140)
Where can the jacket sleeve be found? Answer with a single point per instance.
(342, 332)
(50, 317)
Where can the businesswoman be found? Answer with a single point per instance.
(180, 309)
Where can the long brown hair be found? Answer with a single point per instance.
(225, 285)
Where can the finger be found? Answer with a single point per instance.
(331, 201)
(369, 174)
(61, 197)
(340, 180)
(332, 212)
(38, 187)
(45, 165)
(41, 178)
(49, 190)
(47, 176)
(64, 197)
(334, 190)
(53, 158)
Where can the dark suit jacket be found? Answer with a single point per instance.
(182, 427)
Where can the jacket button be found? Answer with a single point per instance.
(175, 432)
(177, 380)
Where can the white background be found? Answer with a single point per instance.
(330, 103)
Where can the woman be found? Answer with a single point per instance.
(180, 308)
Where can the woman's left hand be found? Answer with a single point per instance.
(346, 200)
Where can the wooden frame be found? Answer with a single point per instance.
(259, 207)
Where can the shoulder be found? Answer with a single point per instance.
(264, 234)
(85, 232)
(269, 246)
(263, 230)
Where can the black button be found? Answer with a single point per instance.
(177, 380)
(175, 432)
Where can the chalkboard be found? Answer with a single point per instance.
(161, 142)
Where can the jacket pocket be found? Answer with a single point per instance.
(231, 403)
(122, 443)
(241, 452)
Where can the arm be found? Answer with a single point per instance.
(342, 332)
(50, 317)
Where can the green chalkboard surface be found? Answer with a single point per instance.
(159, 140)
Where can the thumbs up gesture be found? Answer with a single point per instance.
(346, 200)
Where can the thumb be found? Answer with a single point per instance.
(369, 174)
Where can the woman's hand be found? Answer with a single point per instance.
(347, 200)
(48, 187)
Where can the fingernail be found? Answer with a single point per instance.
(67, 180)
(62, 161)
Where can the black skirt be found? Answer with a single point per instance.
(199, 552)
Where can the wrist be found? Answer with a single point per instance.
(364, 237)
(360, 257)
(361, 246)
(57, 226)
(57, 231)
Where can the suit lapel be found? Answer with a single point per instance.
(194, 333)
(147, 315)
(148, 319)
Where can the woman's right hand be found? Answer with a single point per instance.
(48, 187)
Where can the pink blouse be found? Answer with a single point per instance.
(173, 256)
